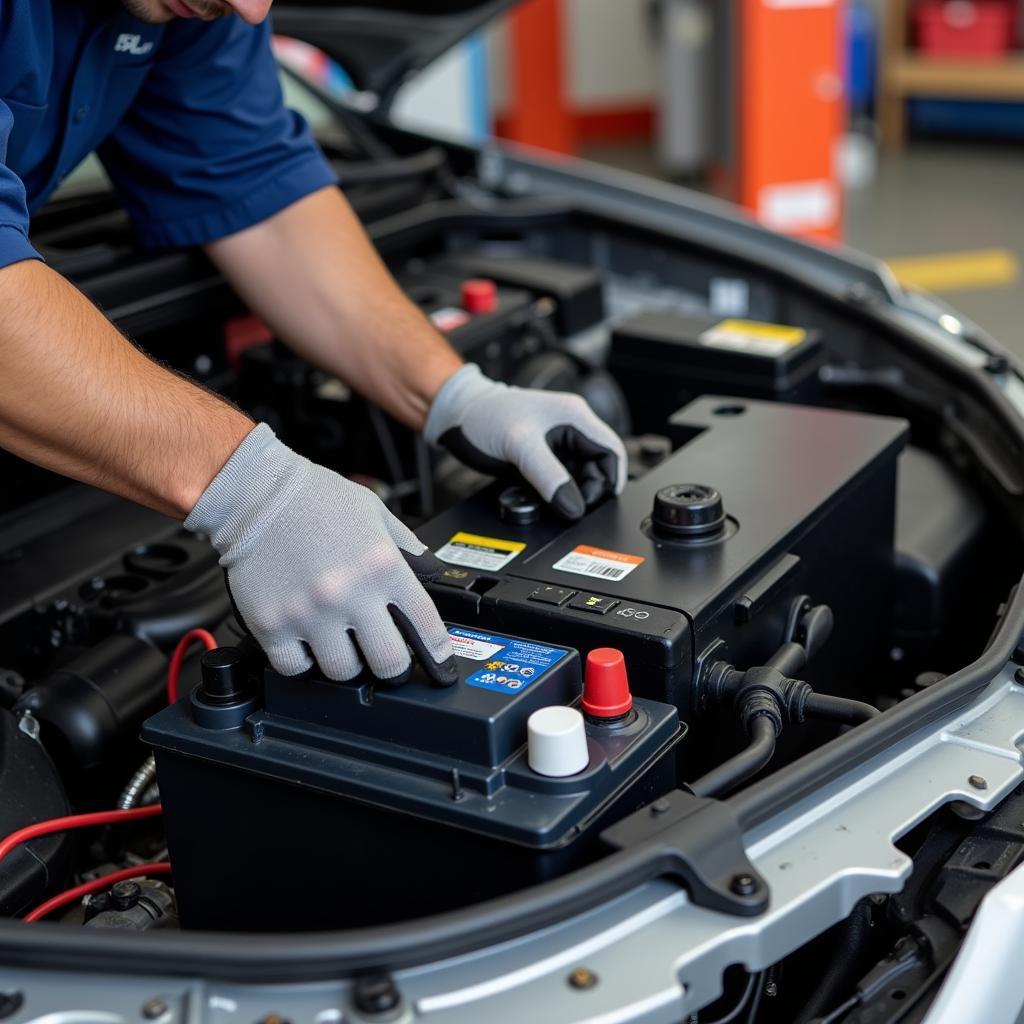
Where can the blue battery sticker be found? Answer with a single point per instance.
(506, 665)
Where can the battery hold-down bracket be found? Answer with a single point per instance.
(699, 842)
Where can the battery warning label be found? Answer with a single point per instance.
(752, 337)
(508, 665)
(584, 560)
(486, 553)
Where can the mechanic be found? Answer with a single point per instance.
(181, 101)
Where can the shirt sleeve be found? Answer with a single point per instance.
(208, 147)
(14, 243)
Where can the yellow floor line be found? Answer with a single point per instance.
(958, 271)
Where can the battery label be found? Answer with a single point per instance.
(584, 560)
(487, 553)
(473, 647)
(754, 338)
(509, 665)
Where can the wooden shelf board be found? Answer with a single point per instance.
(911, 74)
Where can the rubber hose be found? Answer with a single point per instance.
(844, 968)
(839, 709)
(746, 763)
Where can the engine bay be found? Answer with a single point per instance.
(821, 522)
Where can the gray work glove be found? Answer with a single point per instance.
(555, 440)
(316, 563)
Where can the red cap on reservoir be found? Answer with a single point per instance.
(479, 295)
(606, 685)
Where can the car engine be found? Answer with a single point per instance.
(822, 524)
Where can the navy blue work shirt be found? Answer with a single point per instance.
(188, 119)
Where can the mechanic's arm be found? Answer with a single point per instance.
(312, 274)
(78, 398)
(317, 565)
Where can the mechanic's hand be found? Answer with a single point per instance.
(317, 563)
(555, 440)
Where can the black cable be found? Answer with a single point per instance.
(387, 444)
(742, 766)
(425, 476)
(937, 975)
(755, 1004)
(788, 659)
(359, 133)
(843, 970)
(839, 709)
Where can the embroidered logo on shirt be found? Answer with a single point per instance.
(129, 42)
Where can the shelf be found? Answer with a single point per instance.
(916, 75)
(903, 74)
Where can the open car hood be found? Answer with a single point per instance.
(380, 44)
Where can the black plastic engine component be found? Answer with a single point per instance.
(663, 360)
(942, 535)
(575, 290)
(488, 335)
(327, 804)
(96, 701)
(133, 904)
(30, 791)
(956, 864)
(807, 496)
(80, 565)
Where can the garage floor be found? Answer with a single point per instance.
(963, 201)
(951, 214)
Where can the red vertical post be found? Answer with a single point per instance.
(537, 113)
(791, 115)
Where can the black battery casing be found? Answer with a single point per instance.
(809, 496)
(324, 805)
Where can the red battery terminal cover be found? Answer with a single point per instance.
(606, 685)
(479, 296)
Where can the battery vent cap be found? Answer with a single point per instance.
(606, 684)
(479, 295)
(556, 742)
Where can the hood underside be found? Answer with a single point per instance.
(379, 45)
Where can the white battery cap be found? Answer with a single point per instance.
(556, 742)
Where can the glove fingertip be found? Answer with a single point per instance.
(425, 565)
(398, 680)
(289, 659)
(444, 673)
(567, 501)
(441, 673)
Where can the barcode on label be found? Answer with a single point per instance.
(612, 572)
(598, 563)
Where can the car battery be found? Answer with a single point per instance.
(765, 507)
(574, 291)
(306, 803)
(663, 360)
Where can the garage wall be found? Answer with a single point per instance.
(610, 63)
(612, 60)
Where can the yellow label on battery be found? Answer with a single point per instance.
(753, 337)
(489, 554)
